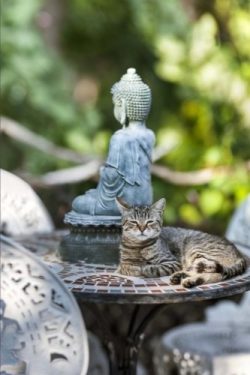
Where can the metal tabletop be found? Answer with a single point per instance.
(100, 283)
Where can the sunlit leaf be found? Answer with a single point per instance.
(190, 214)
(211, 201)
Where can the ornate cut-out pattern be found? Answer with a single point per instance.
(41, 325)
(210, 342)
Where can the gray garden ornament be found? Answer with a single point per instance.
(204, 349)
(22, 211)
(42, 331)
(126, 172)
(238, 230)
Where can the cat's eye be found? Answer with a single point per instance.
(150, 221)
(133, 222)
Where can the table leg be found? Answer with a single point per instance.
(123, 350)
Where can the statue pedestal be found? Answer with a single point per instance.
(93, 239)
(94, 245)
(78, 220)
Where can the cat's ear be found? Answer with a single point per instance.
(122, 206)
(159, 205)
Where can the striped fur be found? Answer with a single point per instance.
(190, 257)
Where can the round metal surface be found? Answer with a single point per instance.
(42, 329)
(204, 349)
(100, 282)
(208, 340)
(22, 211)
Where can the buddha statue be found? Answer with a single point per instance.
(126, 172)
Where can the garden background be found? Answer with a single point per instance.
(59, 61)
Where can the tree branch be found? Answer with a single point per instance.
(65, 176)
(161, 151)
(24, 135)
(199, 177)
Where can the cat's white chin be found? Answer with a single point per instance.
(140, 240)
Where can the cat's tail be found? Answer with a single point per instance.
(237, 269)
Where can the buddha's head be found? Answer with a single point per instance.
(131, 98)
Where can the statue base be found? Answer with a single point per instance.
(94, 245)
(92, 239)
(78, 220)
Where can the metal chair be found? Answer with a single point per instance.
(238, 230)
(23, 217)
(42, 330)
(22, 211)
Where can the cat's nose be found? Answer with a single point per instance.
(142, 228)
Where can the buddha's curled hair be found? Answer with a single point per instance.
(190, 256)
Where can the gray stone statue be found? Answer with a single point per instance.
(126, 172)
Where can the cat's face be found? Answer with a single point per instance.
(141, 224)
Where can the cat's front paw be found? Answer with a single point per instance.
(177, 277)
(190, 282)
(129, 270)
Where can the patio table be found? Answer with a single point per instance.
(96, 285)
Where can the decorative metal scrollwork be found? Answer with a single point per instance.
(192, 349)
(42, 329)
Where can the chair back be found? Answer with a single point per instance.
(42, 329)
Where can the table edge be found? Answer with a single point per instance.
(172, 297)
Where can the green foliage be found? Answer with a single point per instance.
(36, 85)
(196, 60)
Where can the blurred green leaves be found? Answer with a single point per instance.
(211, 69)
(211, 201)
(36, 84)
(194, 55)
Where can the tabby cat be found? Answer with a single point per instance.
(191, 257)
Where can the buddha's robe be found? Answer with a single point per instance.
(126, 173)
